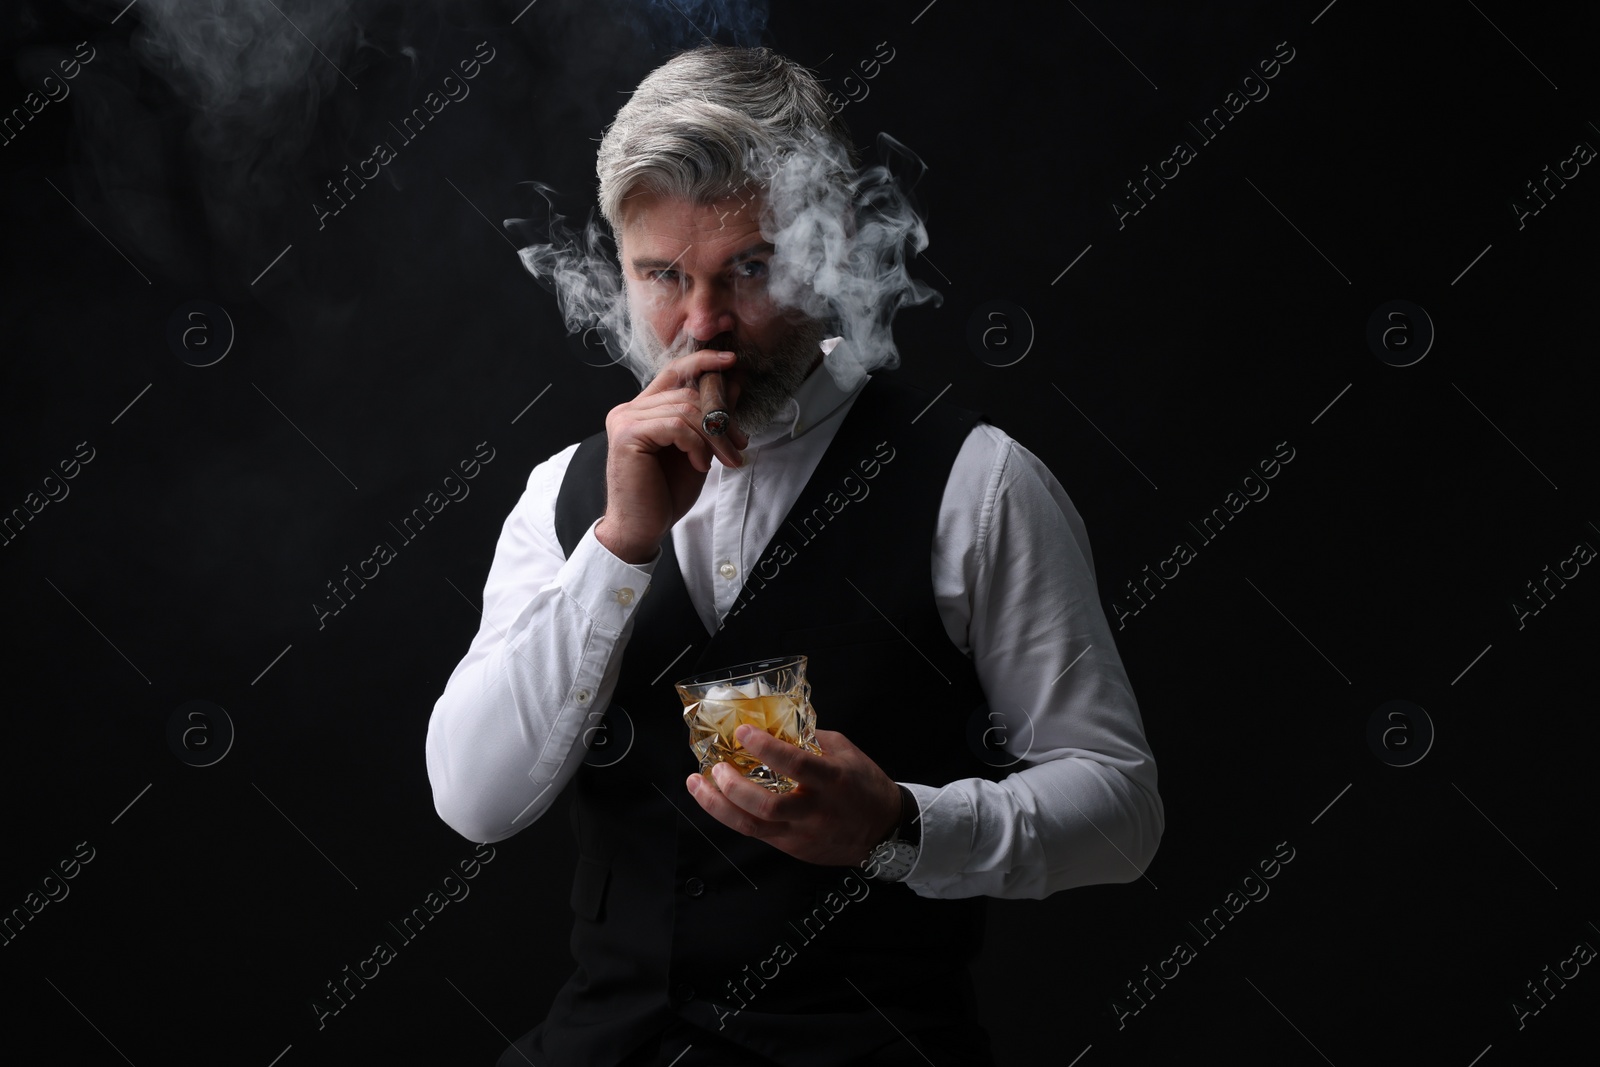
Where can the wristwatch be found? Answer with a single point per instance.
(892, 860)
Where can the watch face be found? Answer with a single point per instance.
(893, 860)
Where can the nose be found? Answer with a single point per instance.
(709, 312)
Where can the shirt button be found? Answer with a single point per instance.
(581, 696)
(695, 887)
(625, 596)
(682, 992)
(728, 570)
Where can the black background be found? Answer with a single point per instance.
(1230, 314)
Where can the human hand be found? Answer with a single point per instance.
(843, 807)
(658, 455)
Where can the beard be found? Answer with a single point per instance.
(771, 377)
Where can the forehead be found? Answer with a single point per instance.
(675, 228)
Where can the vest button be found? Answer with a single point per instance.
(682, 993)
(695, 887)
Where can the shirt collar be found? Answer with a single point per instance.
(818, 397)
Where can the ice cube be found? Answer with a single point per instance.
(719, 716)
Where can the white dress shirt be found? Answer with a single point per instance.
(1014, 583)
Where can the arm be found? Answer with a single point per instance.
(1014, 579)
(517, 713)
(1014, 583)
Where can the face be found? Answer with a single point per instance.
(697, 273)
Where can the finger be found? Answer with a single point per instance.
(757, 800)
(671, 430)
(833, 740)
(684, 403)
(787, 759)
(685, 370)
(720, 808)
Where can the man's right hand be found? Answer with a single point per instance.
(658, 456)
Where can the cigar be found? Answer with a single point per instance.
(714, 415)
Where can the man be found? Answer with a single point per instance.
(932, 569)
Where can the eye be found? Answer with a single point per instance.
(750, 270)
(666, 276)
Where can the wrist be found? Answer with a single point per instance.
(894, 857)
(630, 552)
(890, 829)
(902, 824)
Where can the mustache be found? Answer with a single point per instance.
(722, 342)
(752, 357)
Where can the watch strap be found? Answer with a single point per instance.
(910, 828)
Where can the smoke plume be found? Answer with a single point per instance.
(841, 238)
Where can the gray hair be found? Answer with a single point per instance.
(715, 121)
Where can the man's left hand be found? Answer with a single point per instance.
(843, 806)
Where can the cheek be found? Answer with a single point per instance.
(651, 305)
(755, 305)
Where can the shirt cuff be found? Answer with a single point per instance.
(604, 586)
(947, 823)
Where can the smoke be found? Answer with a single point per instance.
(583, 273)
(841, 250)
(677, 24)
(257, 65)
(214, 106)
(842, 240)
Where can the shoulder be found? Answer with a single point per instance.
(548, 475)
(998, 485)
(991, 455)
(532, 519)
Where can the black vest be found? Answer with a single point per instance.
(676, 913)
